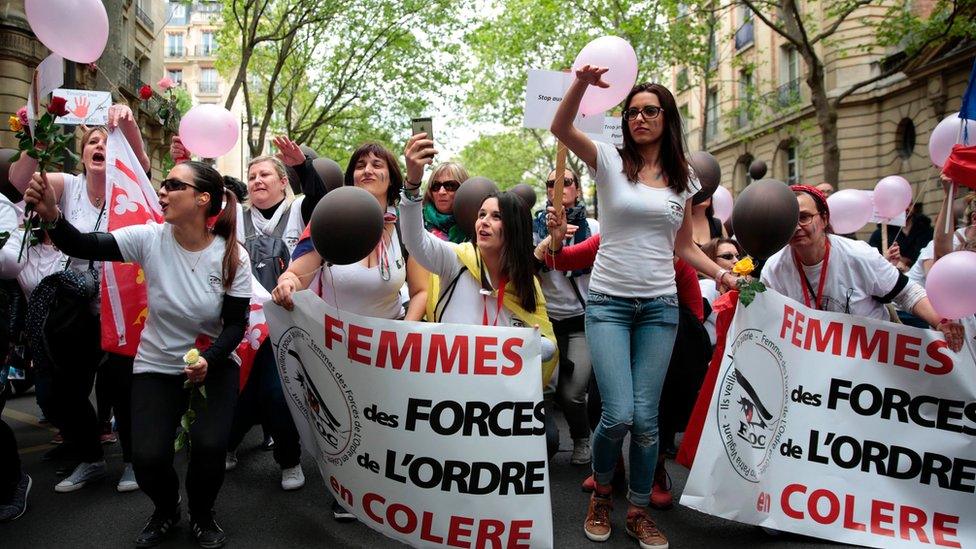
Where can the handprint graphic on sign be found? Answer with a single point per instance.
(81, 107)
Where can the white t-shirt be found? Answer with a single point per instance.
(9, 215)
(561, 299)
(857, 273)
(185, 291)
(37, 262)
(293, 227)
(709, 294)
(363, 290)
(639, 224)
(81, 213)
(917, 273)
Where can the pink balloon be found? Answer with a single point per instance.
(209, 131)
(74, 29)
(945, 135)
(892, 196)
(616, 54)
(722, 203)
(850, 210)
(950, 285)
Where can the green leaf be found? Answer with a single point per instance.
(180, 441)
(185, 421)
(203, 391)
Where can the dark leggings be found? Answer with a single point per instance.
(10, 471)
(263, 401)
(115, 378)
(158, 403)
(72, 377)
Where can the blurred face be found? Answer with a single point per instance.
(811, 226)
(570, 188)
(264, 186)
(93, 153)
(488, 227)
(443, 188)
(179, 198)
(726, 255)
(372, 174)
(644, 128)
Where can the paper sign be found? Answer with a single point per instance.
(85, 107)
(50, 74)
(612, 131)
(31, 110)
(543, 93)
(898, 220)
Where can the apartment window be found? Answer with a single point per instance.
(745, 98)
(712, 51)
(744, 36)
(788, 92)
(207, 43)
(685, 117)
(792, 165)
(682, 82)
(176, 13)
(176, 75)
(174, 45)
(905, 138)
(208, 80)
(711, 112)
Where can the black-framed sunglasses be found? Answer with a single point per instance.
(650, 112)
(729, 257)
(567, 182)
(449, 186)
(176, 185)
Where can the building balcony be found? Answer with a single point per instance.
(788, 94)
(744, 37)
(208, 87)
(205, 50)
(175, 52)
(144, 18)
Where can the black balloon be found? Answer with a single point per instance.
(757, 170)
(468, 200)
(764, 217)
(709, 174)
(346, 225)
(6, 188)
(309, 151)
(526, 193)
(329, 171)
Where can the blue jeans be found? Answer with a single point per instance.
(630, 342)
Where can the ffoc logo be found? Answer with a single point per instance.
(752, 403)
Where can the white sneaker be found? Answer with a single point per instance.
(230, 462)
(128, 481)
(82, 474)
(292, 478)
(581, 451)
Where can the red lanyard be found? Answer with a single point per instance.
(500, 300)
(823, 279)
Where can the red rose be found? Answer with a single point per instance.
(58, 106)
(145, 92)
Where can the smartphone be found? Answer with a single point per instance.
(422, 125)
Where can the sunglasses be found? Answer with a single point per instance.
(566, 183)
(729, 257)
(649, 112)
(449, 186)
(176, 185)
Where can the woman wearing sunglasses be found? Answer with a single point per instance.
(725, 252)
(199, 284)
(645, 189)
(443, 182)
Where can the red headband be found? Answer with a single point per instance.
(818, 197)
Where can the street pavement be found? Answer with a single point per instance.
(255, 512)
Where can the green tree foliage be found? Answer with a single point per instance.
(507, 158)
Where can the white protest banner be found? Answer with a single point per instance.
(85, 107)
(840, 427)
(543, 92)
(898, 220)
(50, 74)
(612, 131)
(432, 434)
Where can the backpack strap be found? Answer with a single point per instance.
(446, 295)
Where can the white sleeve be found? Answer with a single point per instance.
(881, 275)
(135, 241)
(909, 296)
(608, 163)
(9, 218)
(432, 253)
(241, 287)
(9, 266)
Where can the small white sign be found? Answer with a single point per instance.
(85, 107)
(898, 220)
(612, 132)
(543, 93)
(50, 74)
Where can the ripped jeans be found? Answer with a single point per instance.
(630, 342)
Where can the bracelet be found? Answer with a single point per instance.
(718, 278)
(411, 186)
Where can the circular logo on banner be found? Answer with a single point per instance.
(319, 392)
(752, 403)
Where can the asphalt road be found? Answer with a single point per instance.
(255, 512)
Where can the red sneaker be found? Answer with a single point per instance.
(619, 481)
(661, 489)
(108, 436)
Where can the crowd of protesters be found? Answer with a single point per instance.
(623, 307)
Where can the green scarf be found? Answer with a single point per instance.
(443, 225)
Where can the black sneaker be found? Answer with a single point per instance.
(339, 513)
(13, 509)
(207, 532)
(158, 525)
(268, 443)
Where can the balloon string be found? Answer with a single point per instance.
(915, 200)
(335, 298)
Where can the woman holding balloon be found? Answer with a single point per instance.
(645, 189)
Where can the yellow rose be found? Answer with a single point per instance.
(744, 266)
(191, 356)
(14, 122)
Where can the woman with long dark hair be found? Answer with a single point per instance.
(644, 191)
(198, 283)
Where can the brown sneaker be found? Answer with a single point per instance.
(642, 528)
(597, 524)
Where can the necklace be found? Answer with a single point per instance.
(193, 268)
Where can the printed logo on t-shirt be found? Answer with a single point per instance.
(215, 282)
(676, 211)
